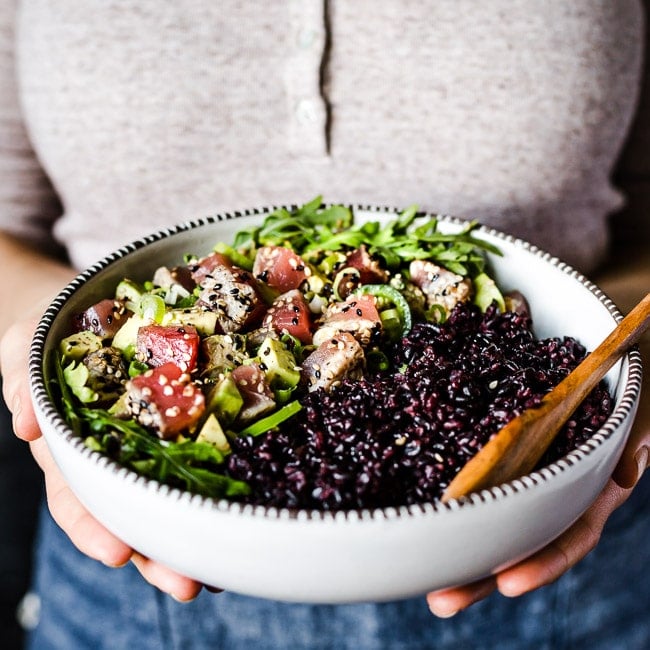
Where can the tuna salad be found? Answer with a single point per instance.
(314, 362)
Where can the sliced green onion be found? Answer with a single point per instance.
(273, 420)
(152, 307)
(129, 291)
(283, 395)
(391, 323)
(137, 368)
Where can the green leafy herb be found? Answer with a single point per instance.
(410, 236)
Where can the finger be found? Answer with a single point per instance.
(177, 586)
(631, 466)
(85, 532)
(567, 550)
(448, 602)
(15, 380)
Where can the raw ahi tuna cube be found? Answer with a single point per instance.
(165, 400)
(160, 344)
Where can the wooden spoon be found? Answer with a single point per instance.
(518, 446)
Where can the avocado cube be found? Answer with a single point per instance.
(278, 364)
(225, 400)
(205, 322)
(76, 346)
(212, 433)
(223, 352)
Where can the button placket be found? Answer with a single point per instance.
(308, 110)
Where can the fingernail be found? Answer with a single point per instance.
(15, 411)
(178, 599)
(442, 612)
(15, 405)
(641, 460)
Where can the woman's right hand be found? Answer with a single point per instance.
(86, 533)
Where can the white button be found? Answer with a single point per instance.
(306, 38)
(306, 112)
(29, 611)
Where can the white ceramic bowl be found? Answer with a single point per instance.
(365, 555)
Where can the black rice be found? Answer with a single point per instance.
(399, 437)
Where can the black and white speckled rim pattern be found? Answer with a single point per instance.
(43, 402)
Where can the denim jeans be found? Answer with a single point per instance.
(601, 604)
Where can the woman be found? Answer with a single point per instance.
(139, 114)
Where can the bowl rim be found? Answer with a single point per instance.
(42, 401)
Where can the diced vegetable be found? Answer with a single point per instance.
(76, 346)
(486, 291)
(205, 322)
(225, 400)
(279, 364)
(212, 433)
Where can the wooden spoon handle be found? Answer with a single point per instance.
(519, 445)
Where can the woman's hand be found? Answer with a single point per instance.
(559, 556)
(87, 534)
(626, 286)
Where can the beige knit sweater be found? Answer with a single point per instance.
(143, 113)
